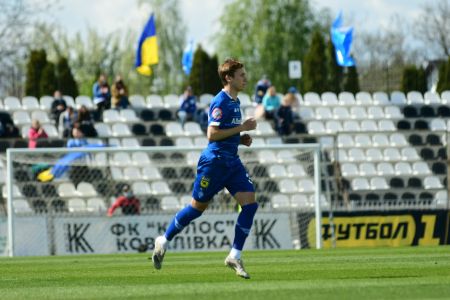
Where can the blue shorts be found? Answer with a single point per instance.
(216, 173)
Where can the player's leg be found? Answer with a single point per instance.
(205, 187)
(242, 188)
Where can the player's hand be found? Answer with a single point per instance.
(249, 124)
(246, 140)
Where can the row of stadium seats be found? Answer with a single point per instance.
(378, 98)
(309, 99)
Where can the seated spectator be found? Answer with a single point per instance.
(86, 122)
(127, 201)
(284, 117)
(36, 132)
(77, 139)
(201, 117)
(295, 102)
(119, 93)
(58, 106)
(188, 106)
(101, 94)
(261, 88)
(66, 121)
(271, 102)
(7, 127)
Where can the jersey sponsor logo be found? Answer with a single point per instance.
(204, 182)
(236, 121)
(217, 113)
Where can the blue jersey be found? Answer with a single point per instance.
(224, 112)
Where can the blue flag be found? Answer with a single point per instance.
(188, 58)
(342, 38)
(147, 50)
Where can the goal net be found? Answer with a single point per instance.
(57, 200)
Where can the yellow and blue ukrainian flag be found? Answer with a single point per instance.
(147, 50)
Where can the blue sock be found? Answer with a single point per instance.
(244, 224)
(181, 220)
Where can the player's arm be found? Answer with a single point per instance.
(214, 133)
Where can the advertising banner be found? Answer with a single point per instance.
(381, 229)
(75, 235)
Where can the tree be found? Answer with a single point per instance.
(334, 70)
(214, 84)
(66, 81)
(265, 35)
(414, 79)
(444, 77)
(16, 20)
(204, 77)
(315, 69)
(47, 82)
(433, 27)
(351, 83)
(35, 66)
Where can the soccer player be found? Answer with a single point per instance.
(220, 167)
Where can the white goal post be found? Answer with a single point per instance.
(101, 169)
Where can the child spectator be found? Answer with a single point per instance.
(36, 132)
(284, 118)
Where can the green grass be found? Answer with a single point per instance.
(383, 273)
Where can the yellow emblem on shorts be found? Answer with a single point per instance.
(204, 182)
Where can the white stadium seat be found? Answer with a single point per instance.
(346, 98)
(363, 98)
(30, 103)
(155, 101)
(385, 169)
(171, 101)
(415, 97)
(380, 98)
(431, 98)
(84, 100)
(367, 169)
(137, 101)
(398, 98)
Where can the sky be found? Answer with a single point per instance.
(201, 16)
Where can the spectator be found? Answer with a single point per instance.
(36, 132)
(7, 127)
(66, 121)
(58, 106)
(271, 102)
(101, 94)
(86, 122)
(127, 201)
(261, 89)
(188, 106)
(284, 117)
(119, 93)
(201, 117)
(295, 104)
(77, 139)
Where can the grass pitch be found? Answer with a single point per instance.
(387, 273)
